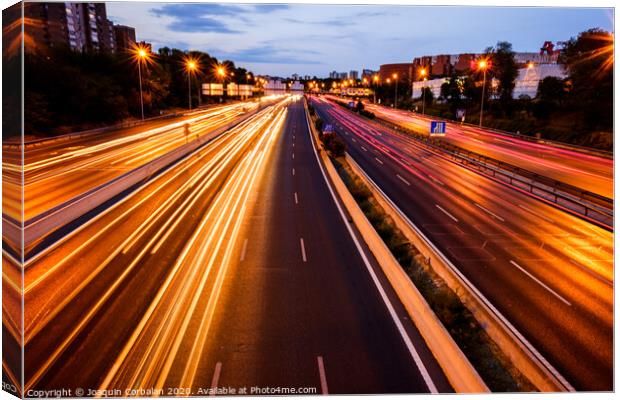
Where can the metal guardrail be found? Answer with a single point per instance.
(532, 139)
(581, 203)
(460, 373)
(513, 344)
(38, 227)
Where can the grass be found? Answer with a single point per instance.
(492, 365)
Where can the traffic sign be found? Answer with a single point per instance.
(438, 128)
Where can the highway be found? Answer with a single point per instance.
(234, 267)
(549, 273)
(55, 172)
(588, 172)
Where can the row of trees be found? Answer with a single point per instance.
(586, 93)
(584, 97)
(66, 90)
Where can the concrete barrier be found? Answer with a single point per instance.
(37, 228)
(455, 365)
(520, 352)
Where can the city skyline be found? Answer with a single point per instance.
(275, 38)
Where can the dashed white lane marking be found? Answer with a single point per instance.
(540, 283)
(303, 250)
(322, 376)
(379, 161)
(364, 148)
(537, 214)
(293, 171)
(243, 250)
(216, 377)
(293, 156)
(354, 140)
(403, 179)
(491, 213)
(296, 199)
(436, 180)
(447, 213)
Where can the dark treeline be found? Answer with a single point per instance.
(68, 91)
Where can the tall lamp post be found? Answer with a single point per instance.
(395, 76)
(190, 66)
(141, 55)
(483, 65)
(423, 75)
(375, 79)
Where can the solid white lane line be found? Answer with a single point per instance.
(447, 213)
(379, 161)
(296, 199)
(216, 377)
(303, 250)
(403, 179)
(243, 249)
(540, 283)
(322, 376)
(388, 304)
(491, 213)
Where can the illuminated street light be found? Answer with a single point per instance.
(482, 65)
(423, 75)
(530, 65)
(190, 66)
(142, 56)
(375, 79)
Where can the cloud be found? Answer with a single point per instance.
(330, 22)
(268, 54)
(194, 18)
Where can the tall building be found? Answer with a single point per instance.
(78, 26)
(353, 75)
(125, 37)
(368, 73)
(404, 71)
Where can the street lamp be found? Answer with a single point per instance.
(482, 65)
(142, 56)
(423, 75)
(375, 79)
(395, 76)
(190, 66)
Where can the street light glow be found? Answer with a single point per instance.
(482, 64)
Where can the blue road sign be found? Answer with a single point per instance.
(438, 128)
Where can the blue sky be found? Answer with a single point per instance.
(280, 39)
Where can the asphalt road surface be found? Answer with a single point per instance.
(589, 172)
(549, 273)
(234, 268)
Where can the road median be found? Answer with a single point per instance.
(457, 368)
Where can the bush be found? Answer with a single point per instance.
(318, 124)
(367, 114)
(337, 146)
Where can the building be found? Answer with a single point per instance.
(77, 26)
(125, 37)
(368, 73)
(526, 83)
(528, 79)
(297, 86)
(403, 70)
(353, 75)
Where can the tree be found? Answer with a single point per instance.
(505, 70)
(551, 89)
(589, 62)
